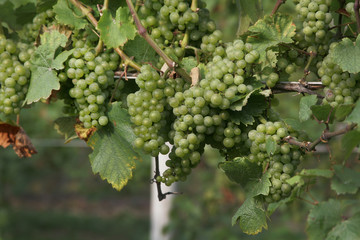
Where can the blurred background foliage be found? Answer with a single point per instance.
(54, 195)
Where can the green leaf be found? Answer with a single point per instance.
(294, 124)
(250, 12)
(141, 51)
(270, 146)
(349, 141)
(240, 101)
(342, 111)
(346, 230)
(241, 170)
(68, 14)
(322, 218)
(116, 32)
(322, 112)
(44, 62)
(260, 186)
(66, 127)
(254, 107)
(271, 31)
(325, 173)
(8, 14)
(355, 114)
(305, 104)
(251, 217)
(347, 55)
(113, 156)
(296, 180)
(188, 63)
(346, 180)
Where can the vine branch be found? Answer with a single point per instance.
(161, 195)
(309, 88)
(325, 137)
(277, 6)
(357, 16)
(87, 12)
(143, 32)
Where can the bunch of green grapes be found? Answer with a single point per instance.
(14, 74)
(92, 83)
(315, 17)
(149, 112)
(212, 43)
(173, 24)
(31, 31)
(282, 163)
(341, 87)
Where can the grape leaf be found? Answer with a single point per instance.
(250, 12)
(294, 124)
(349, 141)
(43, 66)
(255, 107)
(66, 127)
(241, 170)
(355, 114)
(325, 173)
(141, 51)
(116, 32)
(346, 230)
(188, 63)
(271, 31)
(113, 156)
(8, 14)
(321, 220)
(305, 104)
(322, 112)
(270, 146)
(240, 101)
(68, 14)
(251, 217)
(347, 55)
(260, 186)
(342, 111)
(346, 180)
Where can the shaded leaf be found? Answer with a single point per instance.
(251, 217)
(294, 124)
(325, 173)
(305, 104)
(346, 180)
(255, 107)
(355, 114)
(66, 13)
(240, 101)
(347, 55)
(241, 170)
(346, 230)
(342, 111)
(322, 112)
(320, 220)
(116, 32)
(66, 127)
(260, 186)
(271, 31)
(113, 156)
(349, 141)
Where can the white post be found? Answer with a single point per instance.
(160, 211)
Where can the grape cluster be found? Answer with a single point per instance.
(212, 43)
(315, 17)
(349, 7)
(173, 24)
(149, 113)
(14, 74)
(282, 163)
(93, 84)
(31, 31)
(341, 87)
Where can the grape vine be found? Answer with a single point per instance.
(193, 89)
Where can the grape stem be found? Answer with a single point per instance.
(325, 137)
(87, 12)
(106, 5)
(357, 15)
(338, 32)
(143, 32)
(117, 83)
(277, 6)
(161, 195)
(194, 5)
(306, 69)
